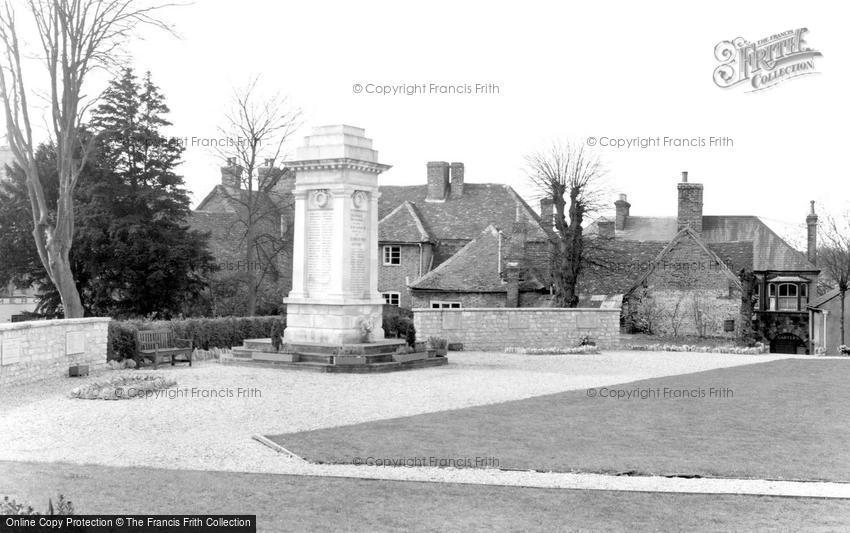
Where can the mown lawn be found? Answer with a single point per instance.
(784, 419)
(292, 503)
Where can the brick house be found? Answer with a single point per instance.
(448, 243)
(224, 213)
(684, 271)
(421, 227)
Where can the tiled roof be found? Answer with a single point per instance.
(475, 268)
(229, 199)
(464, 218)
(403, 224)
(770, 251)
(825, 298)
(615, 266)
(685, 234)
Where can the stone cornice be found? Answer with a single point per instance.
(345, 163)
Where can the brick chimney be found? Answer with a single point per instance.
(546, 212)
(231, 174)
(690, 204)
(605, 227)
(622, 206)
(457, 180)
(267, 174)
(812, 237)
(438, 181)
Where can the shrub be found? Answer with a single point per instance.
(206, 333)
(11, 507)
(438, 343)
(398, 322)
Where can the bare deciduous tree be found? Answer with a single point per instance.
(258, 128)
(571, 177)
(834, 259)
(75, 38)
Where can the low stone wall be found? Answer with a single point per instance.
(526, 327)
(30, 351)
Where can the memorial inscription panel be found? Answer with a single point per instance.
(318, 241)
(359, 242)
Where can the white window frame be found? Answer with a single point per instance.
(445, 304)
(388, 255)
(389, 295)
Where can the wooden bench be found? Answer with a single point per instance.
(160, 343)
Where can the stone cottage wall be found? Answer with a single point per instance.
(30, 351)
(685, 280)
(500, 328)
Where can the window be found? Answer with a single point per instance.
(391, 298)
(784, 296)
(392, 255)
(804, 294)
(757, 296)
(788, 297)
(729, 325)
(436, 304)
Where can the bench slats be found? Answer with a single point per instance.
(161, 342)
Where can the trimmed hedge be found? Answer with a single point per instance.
(205, 333)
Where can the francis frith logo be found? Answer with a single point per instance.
(764, 63)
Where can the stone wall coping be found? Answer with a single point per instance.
(16, 326)
(520, 310)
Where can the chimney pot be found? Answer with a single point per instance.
(684, 176)
(269, 161)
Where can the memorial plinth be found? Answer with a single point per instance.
(334, 297)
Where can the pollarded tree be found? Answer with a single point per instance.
(75, 37)
(571, 177)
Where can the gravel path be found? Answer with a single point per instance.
(209, 427)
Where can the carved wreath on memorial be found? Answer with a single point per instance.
(320, 198)
(359, 199)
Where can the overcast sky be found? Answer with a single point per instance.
(564, 71)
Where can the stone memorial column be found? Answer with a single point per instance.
(334, 298)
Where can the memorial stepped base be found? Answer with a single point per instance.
(379, 356)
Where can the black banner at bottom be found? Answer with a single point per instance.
(128, 523)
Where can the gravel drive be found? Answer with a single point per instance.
(209, 427)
